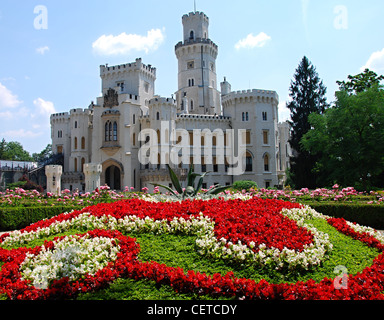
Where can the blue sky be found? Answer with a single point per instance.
(51, 50)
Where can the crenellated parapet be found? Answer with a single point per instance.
(157, 101)
(119, 70)
(255, 95)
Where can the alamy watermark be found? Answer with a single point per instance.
(198, 146)
(341, 19)
(41, 20)
(341, 281)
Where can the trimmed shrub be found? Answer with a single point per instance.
(20, 217)
(371, 215)
(244, 185)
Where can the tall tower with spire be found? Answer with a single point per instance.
(197, 80)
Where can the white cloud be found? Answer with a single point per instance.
(252, 41)
(124, 43)
(7, 98)
(375, 62)
(21, 133)
(45, 108)
(42, 50)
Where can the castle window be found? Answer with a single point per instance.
(75, 164)
(215, 165)
(264, 116)
(134, 119)
(110, 131)
(191, 35)
(75, 144)
(75, 124)
(134, 139)
(190, 64)
(157, 115)
(266, 163)
(191, 104)
(265, 137)
(115, 131)
(146, 87)
(248, 162)
(247, 137)
(82, 143)
(106, 132)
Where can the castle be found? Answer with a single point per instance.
(129, 135)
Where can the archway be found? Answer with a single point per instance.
(113, 177)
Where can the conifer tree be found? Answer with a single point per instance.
(307, 93)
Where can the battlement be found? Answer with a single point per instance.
(134, 66)
(59, 117)
(256, 95)
(196, 41)
(202, 117)
(196, 15)
(80, 112)
(161, 101)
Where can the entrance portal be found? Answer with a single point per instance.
(113, 177)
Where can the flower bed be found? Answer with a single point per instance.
(267, 233)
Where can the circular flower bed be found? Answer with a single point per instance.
(265, 233)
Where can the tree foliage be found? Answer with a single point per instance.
(307, 93)
(13, 151)
(349, 136)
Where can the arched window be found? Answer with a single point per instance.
(157, 115)
(75, 164)
(191, 105)
(158, 136)
(110, 131)
(191, 35)
(106, 131)
(82, 143)
(248, 162)
(82, 164)
(266, 162)
(75, 147)
(115, 131)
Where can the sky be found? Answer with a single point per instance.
(51, 50)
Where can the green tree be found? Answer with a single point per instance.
(3, 145)
(349, 136)
(307, 92)
(14, 151)
(43, 155)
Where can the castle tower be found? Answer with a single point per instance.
(197, 79)
(92, 172)
(53, 173)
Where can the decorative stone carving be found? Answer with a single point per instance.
(111, 99)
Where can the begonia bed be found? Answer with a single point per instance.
(263, 233)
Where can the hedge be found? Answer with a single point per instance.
(20, 217)
(370, 215)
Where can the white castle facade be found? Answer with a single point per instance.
(129, 135)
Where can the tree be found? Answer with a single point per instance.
(349, 136)
(43, 155)
(3, 145)
(307, 92)
(14, 151)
